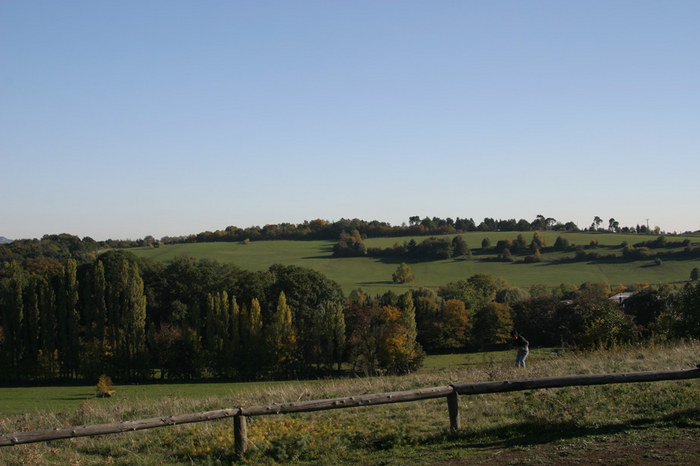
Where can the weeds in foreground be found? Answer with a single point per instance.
(568, 418)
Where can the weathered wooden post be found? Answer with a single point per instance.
(453, 408)
(240, 435)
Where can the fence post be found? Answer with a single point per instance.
(240, 435)
(453, 408)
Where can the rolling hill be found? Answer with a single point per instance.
(374, 274)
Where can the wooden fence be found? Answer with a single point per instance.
(450, 392)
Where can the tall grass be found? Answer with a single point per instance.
(392, 433)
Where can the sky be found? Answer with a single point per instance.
(121, 119)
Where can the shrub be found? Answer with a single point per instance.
(403, 274)
(533, 258)
(561, 244)
(289, 447)
(104, 387)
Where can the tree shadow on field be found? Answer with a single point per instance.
(537, 432)
(326, 251)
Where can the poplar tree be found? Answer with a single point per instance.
(281, 337)
(234, 323)
(30, 330)
(67, 321)
(407, 320)
(210, 327)
(98, 301)
(47, 326)
(116, 276)
(254, 325)
(338, 338)
(95, 346)
(223, 320)
(251, 330)
(72, 322)
(217, 330)
(317, 334)
(408, 315)
(12, 317)
(132, 329)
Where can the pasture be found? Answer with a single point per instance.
(17, 400)
(374, 274)
(638, 423)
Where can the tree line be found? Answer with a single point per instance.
(64, 246)
(189, 319)
(136, 319)
(441, 248)
(322, 229)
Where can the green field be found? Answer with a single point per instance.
(613, 424)
(64, 399)
(56, 399)
(374, 275)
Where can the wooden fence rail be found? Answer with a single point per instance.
(450, 392)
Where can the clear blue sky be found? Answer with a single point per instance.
(130, 118)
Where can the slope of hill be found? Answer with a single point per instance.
(374, 274)
(4, 240)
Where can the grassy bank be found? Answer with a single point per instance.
(556, 425)
(374, 274)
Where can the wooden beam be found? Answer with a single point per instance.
(349, 401)
(112, 428)
(573, 380)
(450, 391)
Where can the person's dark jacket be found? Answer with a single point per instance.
(521, 343)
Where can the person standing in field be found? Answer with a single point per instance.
(523, 349)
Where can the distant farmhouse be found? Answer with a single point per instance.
(620, 298)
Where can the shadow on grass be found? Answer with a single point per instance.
(327, 253)
(84, 396)
(539, 432)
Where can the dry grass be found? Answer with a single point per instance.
(403, 432)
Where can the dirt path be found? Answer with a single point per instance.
(650, 448)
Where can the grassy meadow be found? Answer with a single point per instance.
(374, 274)
(614, 424)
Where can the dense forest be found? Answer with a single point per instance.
(135, 320)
